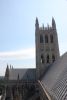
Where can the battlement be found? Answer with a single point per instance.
(45, 28)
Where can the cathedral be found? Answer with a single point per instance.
(48, 81)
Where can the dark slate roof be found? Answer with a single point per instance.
(55, 79)
(23, 74)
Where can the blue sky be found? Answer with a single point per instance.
(17, 29)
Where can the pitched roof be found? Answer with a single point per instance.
(22, 74)
(55, 80)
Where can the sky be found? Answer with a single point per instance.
(17, 29)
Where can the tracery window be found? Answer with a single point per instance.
(53, 57)
(47, 58)
(42, 59)
(46, 39)
(41, 38)
(51, 38)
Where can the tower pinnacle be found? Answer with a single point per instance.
(53, 23)
(36, 24)
(7, 72)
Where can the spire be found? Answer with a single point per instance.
(36, 24)
(10, 66)
(7, 66)
(53, 23)
(7, 72)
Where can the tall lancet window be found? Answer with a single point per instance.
(46, 39)
(42, 59)
(41, 38)
(53, 57)
(47, 58)
(51, 38)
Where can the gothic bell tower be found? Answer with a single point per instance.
(47, 49)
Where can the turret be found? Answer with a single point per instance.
(53, 23)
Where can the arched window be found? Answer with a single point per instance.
(51, 38)
(42, 59)
(53, 58)
(46, 39)
(47, 58)
(41, 38)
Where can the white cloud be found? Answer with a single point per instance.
(28, 53)
(13, 58)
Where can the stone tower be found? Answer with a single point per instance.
(47, 49)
